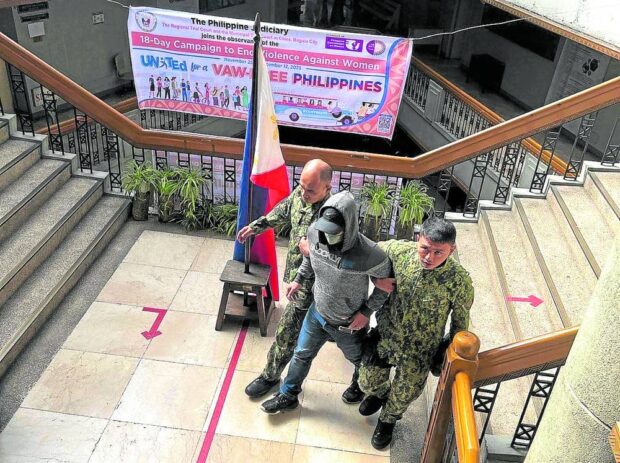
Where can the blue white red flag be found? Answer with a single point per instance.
(267, 173)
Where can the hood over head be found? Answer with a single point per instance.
(344, 203)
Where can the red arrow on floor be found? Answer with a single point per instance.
(161, 313)
(533, 300)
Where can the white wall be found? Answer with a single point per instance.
(597, 18)
(527, 76)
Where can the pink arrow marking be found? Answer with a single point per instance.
(533, 300)
(161, 313)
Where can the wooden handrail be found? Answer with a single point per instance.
(519, 358)
(614, 441)
(518, 128)
(529, 144)
(461, 357)
(465, 432)
(69, 125)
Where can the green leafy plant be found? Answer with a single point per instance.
(167, 185)
(224, 218)
(139, 178)
(378, 199)
(190, 183)
(413, 203)
(138, 181)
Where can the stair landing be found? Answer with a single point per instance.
(110, 394)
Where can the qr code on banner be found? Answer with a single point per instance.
(385, 123)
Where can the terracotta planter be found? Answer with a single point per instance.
(140, 206)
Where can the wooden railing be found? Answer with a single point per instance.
(529, 144)
(465, 369)
(516, 129)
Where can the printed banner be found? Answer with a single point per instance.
(319, 79)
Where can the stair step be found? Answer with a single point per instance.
(4, 131)
(20, 199)
(566, 269)
(28, 308)
(523, 276)
(608, 184)
(490, 320)
(16, 157)
(592, 221)
(37, 238)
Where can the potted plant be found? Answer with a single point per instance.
(413, 204)
(224, 218)
(138, 182)
(378, 201)
(190, 183)
(167, 186)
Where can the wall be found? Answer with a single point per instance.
(85, 52)
(527, 76)
(274, 11)
(597, 18)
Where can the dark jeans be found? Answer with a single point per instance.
(314, 333)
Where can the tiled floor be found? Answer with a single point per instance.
(110, 395)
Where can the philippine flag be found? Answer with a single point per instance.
(267, 173)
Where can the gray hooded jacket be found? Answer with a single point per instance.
(342, 277)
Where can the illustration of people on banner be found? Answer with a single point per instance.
(320, 79)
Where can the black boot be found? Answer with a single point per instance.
(260, 386)
(371, 405)
(353, 394)
(382, 436)
(279, 403)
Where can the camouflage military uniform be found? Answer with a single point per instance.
(295, 212)
(411, 326)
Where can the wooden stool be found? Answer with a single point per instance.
(245, 305)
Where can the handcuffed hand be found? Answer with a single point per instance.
(385, 284)
(358, 321)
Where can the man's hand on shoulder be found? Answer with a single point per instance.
(358, 321)
(244, 234)
(304, 247)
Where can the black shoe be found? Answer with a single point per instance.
(260, 386)
(279, 403)
(371, 405)
(382, 436)
(353, 394)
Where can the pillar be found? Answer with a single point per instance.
(585, 402)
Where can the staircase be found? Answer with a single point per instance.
(52, 226)
(552, 246)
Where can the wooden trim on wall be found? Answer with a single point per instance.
(461, 150)
(591, 42)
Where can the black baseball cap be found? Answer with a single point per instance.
(331, 221)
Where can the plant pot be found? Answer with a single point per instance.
(165, 210)
(140, 206)
(372, 227)
(404, 232)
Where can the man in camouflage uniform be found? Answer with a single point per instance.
(298, 211)
(428, 285)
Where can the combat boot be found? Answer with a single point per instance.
(382, 436)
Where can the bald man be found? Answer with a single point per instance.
(298, 211)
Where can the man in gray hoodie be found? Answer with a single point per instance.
(341, 260)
